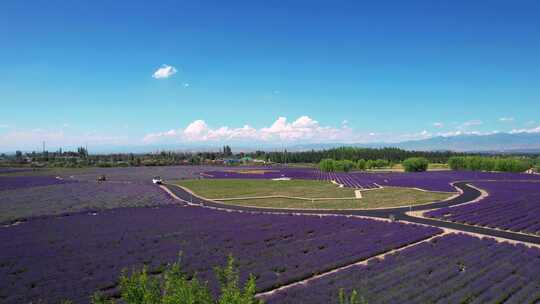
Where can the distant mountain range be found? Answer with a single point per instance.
(497, 143)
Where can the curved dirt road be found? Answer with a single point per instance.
(468, 194)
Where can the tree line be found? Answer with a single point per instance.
(393, 155)
(501, 164)
(412, 164)
(81, 158)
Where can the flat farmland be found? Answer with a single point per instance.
(82, 253)
(68, 237)
(306, 194)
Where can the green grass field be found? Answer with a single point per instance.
(323, 193)
(228, 188)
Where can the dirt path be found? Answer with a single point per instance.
(414, 214)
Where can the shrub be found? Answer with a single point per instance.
(330, 165)
(344, 165)
(327, 165)
(380, 163)
(352, 299)
(415, 164)
(174, 287)
(369, 164)
(361, 164)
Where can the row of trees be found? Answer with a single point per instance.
(346, 165)
(413, 164)
(332, 165)
(354, 154)
(483, 163)
(81, 158)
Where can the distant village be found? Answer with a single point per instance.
(81, 158)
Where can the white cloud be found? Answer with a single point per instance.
(506, 119)
(303, 128)
(460, 132)
(531, 130)
(185, 85)
(438, 124)
(165, 71)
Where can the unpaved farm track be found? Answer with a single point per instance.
(468, 194)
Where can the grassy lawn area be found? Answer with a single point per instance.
(243, 188)
(229, 188)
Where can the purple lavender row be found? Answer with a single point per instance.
(513, 206)
(28, 202)
(16, 182)
(433, 180)
(72, 256)
(7, 170)
(452, 269)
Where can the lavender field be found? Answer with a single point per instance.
(513, 206)
(65, 197)
(16, 182)
(75, 235)
(72, 256)
(433, 181)
(450, 269)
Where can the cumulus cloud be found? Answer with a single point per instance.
(438, 124)
(303, 128)
(165, 71)
(506, 119)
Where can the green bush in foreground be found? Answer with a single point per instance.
(174, 287)
(352, 299)
(415, 164)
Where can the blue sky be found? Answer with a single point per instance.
(75, 72)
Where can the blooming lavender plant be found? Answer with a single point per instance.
(17, 182)
(55, 258)
(513, 206)
(455, 268)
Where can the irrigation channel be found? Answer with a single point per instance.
(468, 194)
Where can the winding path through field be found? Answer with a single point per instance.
(412, 214)
(468, 194)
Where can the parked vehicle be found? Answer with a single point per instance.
(157, 180)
